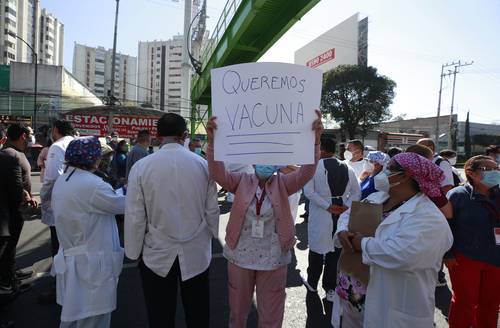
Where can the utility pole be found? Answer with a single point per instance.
(113, 72)
(186, 66)
(451, 127)
(439, 100)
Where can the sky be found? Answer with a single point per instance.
(408, 41)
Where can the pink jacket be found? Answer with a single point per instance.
(278, 188)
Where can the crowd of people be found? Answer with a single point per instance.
(422, 212)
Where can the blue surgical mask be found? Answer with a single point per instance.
(265, 171)
(490, 178)
(197, 150)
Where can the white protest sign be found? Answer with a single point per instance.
(265, 113)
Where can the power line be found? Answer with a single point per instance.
(451, 128)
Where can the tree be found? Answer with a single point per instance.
(400, 117)
(357, 97)
(467, 143)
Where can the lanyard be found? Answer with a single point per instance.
(259, 202)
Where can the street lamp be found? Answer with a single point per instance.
(35, 60)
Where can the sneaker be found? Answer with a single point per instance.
(330, 295)
(307, 285)
(7, 290)
(22, 275)
(441, 282)
(22, 287)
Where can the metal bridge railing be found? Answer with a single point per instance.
(225, 18)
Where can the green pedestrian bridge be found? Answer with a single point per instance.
(245, 31)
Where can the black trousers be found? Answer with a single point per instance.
(8, 254)
(326, 264)
(161, 297)
(54, 242)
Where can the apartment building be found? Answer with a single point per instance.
(40, 30)
(92, 66)
(159, 75)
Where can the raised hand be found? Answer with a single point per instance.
(211, 127)
(318, 127)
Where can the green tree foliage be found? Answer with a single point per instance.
(357, 97)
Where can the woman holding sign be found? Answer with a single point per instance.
(406, 252)
(260, 233)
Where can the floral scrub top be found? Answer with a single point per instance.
(352, 290)
(258, 253)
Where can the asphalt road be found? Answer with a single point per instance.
(34, 251)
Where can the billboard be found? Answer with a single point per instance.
(126, 126)
(11, 119)
(344, 44)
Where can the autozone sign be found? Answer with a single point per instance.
(126, 126)
(321, 59)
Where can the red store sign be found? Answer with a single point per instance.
(321, 59)
(126, 126)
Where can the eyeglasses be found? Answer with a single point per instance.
(484, 168)
(390, 173)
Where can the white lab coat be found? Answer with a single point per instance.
(404, 257)
(320, 225)
(54, 167)
(294, 201)
(171, 211)
(358, 167)
(447, 169)
(90, 258)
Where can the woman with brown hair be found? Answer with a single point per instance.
(475, 265)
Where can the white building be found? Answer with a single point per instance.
(58, 90)
(92, 67)
(51, 40)
(159, 75)
(344, 44)
(39, 28)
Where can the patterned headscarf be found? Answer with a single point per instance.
(427, 174)
(378, 157)
(83, 151)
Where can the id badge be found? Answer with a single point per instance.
(496, 231)
(257, 228)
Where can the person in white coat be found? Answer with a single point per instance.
(171, 215)
(406, 252)
(324, 209)
(90, 258)
(62, 134)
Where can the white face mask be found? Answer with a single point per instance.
(368, 167)
(347, 155)
(31, 141)
(381, 182)
(452, 161)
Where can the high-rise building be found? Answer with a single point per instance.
(39, 28)
(159, 75)
(92, 67)
(51, 39)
